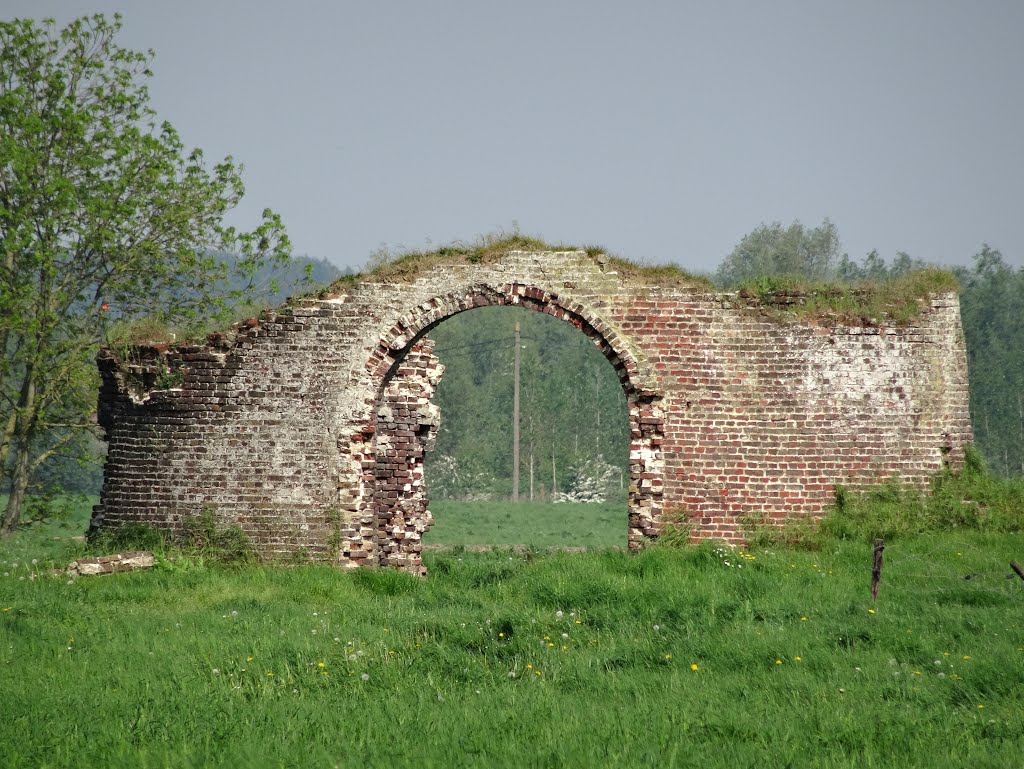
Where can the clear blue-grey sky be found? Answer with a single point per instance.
(661, 130)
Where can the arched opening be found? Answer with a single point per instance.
(404, 422)
(533, 443)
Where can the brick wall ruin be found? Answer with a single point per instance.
(307, 427)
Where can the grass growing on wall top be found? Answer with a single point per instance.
(408, 265)
(897, 301)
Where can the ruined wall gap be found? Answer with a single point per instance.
(308, 427)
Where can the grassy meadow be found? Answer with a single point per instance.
(535, 524)
(697, 656)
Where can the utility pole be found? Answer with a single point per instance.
(515, 422)
(531, 456)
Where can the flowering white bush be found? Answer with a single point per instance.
(449, 479)
(588, 481)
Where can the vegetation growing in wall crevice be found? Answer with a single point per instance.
(898, 301)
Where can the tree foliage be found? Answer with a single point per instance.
(772, 249)
(992, 308)
(104, 214)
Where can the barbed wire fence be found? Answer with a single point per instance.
(969, 568)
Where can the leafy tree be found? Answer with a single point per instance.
(772, 249)
(992, 308)
(876, 268)
(103, 214)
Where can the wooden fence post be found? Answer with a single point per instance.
(876, 569)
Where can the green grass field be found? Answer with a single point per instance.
(702, 657)
(528, 523)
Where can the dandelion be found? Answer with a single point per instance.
(798, 659)
(803, 619)
(269, 674)
(694, 667)
(871, 611)
(365, 677)
(980, 706)
(550, 644)
(778, 662)
(7, 609)
(529, 666)
(501, 635)
(321, 664)
(579, 622)
(917, 672)
(967, 656)
(248, 659)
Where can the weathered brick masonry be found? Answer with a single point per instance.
(308, 427)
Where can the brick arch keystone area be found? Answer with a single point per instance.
(293, 425)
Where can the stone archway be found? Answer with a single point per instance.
(403, 421)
